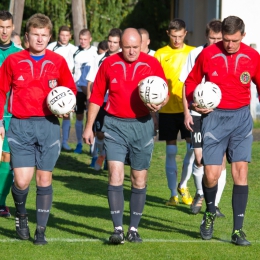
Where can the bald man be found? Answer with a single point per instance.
(128, 128)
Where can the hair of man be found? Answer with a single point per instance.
(5, 15)
(177, 24)
(215, 26)
(144, 31)
(115, 32)
(233, 24)
(14, 34)
(103, 45)
(64, 28)
(85, 32)
(39, 21)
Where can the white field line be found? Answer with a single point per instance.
(87, 240)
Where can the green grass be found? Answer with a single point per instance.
(80, 223)
(257, 124)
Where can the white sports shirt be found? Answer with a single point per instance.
(186, 69)
(83, 61)
(151, 52)
(66, 51)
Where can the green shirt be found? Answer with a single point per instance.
(5, 51)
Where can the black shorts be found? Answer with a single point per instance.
(100, 118)
(196, 138)
(81, 103)
(170, 125)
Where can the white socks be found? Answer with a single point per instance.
(221, 186)
(171, 168)
(197, 176)
(99, 144)
(187, 166)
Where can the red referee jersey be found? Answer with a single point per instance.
(233, 74)
(121, 79)
(30, 82)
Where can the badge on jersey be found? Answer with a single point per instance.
(245, 77)
(53, 83)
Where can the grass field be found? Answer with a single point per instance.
(80, 223)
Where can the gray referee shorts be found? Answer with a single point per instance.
(34, 142)
(227, 131)
(132, 138)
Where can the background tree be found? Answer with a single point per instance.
(153, 15)
(4, 5)
(59, 12)
(103, 15)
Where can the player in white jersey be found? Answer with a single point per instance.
(102, 47)
(213, 35)
(98, 149)
(84, 58)
(15, 38)
(66, 50)
(145, 48)
(145, 42)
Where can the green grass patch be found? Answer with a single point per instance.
(80, 223)
(257, 124)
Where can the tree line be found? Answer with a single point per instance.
(103, 15)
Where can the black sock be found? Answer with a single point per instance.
(19, 197)
(43, 204)
(210, 197)
(239, 201)
(137, 201)
(116, 204)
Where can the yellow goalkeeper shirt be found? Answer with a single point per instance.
(172, 61)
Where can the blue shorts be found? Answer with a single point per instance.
(34, 142)
(131, 139)
(227, 131)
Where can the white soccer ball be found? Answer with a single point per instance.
(153, 90)
(207, 95)
(61, 100)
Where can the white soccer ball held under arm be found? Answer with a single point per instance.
(61, 100)
(207, 95)
(153, 90)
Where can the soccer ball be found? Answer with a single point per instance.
(153, 90)
(61, 100)
(207, 95)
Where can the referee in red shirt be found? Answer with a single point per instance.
(231, 65)
(128, 128)
(34, 132)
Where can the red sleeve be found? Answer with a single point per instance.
(66, 78)
(195, 77)
(5, 78)
(98, 93)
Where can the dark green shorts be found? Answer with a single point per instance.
(6, 147)
(132, 138)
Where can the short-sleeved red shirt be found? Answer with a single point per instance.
(121, 79)
(30, 81)
(233, 74)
